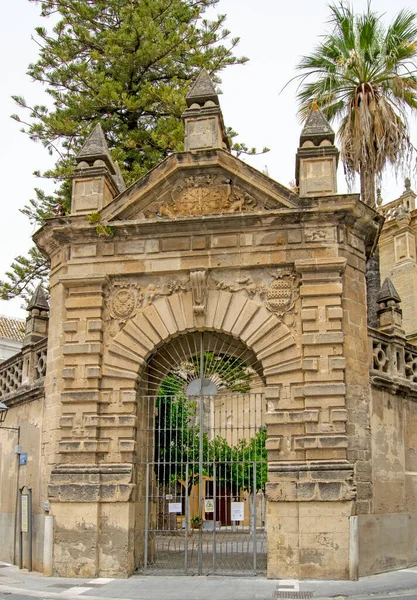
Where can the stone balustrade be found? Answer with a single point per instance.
(23, 372)
(393, 363)
(11, 372)
(405, 203)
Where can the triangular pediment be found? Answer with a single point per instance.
(196, 184)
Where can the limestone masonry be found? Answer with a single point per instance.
(206, 243)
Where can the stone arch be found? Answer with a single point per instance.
(231, 313)
(186, 345)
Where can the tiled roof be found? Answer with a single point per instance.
(12, 329)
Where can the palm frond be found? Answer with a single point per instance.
(364, 75)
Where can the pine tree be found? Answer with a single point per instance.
(127, 64)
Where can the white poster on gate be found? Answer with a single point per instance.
(237, 510)
(175, 507)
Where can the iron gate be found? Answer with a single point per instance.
(202, 473)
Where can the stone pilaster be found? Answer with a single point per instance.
(310, 489)
(83, 473)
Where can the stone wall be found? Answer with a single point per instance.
(398, 255)
(29, 416)
(394, 427)
(386, 542)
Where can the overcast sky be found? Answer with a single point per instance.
(274, 34)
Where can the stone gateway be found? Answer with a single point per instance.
(206, 261)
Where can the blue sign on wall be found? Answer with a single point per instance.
(23, 458)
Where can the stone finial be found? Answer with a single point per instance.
(95, 148)
(118, 177)
(389, 312)
(203, 119)
(378, 197)
(316, 129)
(96, 179)
(408, 197)
(388, 293)
(38, 300)
(402, 216)
(36, 326)
(202, 91)
(317, 157)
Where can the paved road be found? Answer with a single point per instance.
(21, 585)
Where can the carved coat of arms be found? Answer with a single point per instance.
(282, 292)
(123, 300)
(204, 195)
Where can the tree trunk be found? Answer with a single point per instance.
(367, 188)
(373, 277)
(373, 286)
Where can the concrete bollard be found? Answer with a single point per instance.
(48, 545)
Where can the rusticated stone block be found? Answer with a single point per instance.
(273, 443)
(338, 415)
(306, 491)
(310, 364)
(93, 372)
(90, 492)
(330, 490)
(282, 491)
(71, 349)
(128, 396)
(127, 445)
(322, 338)
(94, 325)
(68, 373)
(70, 326)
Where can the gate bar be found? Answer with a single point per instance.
(254, 517)
(187, 516)
(145, 551)
(214, 516)
(200, 459)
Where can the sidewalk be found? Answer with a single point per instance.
(139, 587)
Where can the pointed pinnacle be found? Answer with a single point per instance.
(118, 177)
(95, 147)
(202, 90)
(39, 300)
(388, 292)
(316, 128)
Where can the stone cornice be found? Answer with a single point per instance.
(26, 393)
(341, 209)
(395, 385)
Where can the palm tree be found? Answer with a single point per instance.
(363, 75)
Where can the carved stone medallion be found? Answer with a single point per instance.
(204, 195)
(123, 299)
(281, 294)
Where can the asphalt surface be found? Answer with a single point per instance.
(22, 585)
